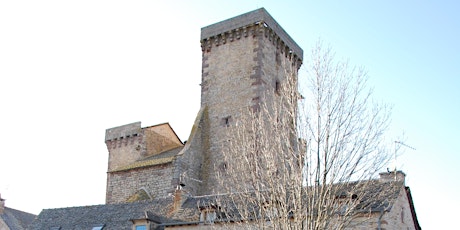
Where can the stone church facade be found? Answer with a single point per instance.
(156, 181)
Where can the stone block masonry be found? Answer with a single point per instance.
(124, 144)
(240, 23)
(156, 181)
(131, 166)
(244, 60)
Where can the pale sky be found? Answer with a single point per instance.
(71, 69)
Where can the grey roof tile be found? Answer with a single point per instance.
(113, 216)
(16, 219)
(379, 196)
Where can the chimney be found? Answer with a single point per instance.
(178, 199)
(2, 204)
(392, 176)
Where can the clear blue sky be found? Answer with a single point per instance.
(71, 69)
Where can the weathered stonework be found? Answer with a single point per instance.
(244, 59)
(140, 158)
(124, 144)
(156, 181)
(249, 63)
(398, 216)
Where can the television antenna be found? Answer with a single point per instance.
(396, 148)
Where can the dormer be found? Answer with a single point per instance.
(141, 224)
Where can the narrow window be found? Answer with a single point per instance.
(223, 166)
(226, 121)
(141, 227)
(402, 215)
(277, 87)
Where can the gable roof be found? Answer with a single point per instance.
(112, 216)
(16, 219)
(166, 129)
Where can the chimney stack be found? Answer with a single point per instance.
(178, 198)
(392, 176)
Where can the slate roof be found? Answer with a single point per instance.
(16, 219)
(380, 197)
(374, 195)
(162, 158)
(112, 216)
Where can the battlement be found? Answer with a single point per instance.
(241, 25)
(128, 130)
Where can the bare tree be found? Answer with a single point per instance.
(307, 168)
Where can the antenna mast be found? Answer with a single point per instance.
(403, 144)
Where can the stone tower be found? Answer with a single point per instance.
(245, 62)
(245, 59)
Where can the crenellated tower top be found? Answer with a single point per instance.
(247, 24)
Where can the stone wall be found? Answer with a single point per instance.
(125, 145)
(226, 89)
(129, 144)
(189, 164)
(244, 60)
(3, 225)
(400, 216)
(241, 70)
(156, 180)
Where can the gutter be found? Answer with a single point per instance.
(181, 223)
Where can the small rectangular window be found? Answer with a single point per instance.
(141, 227)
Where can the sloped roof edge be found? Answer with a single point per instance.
(164, 157)
(170, 127)
(143, 164)
(412, 208)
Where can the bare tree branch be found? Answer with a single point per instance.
(310, 163)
